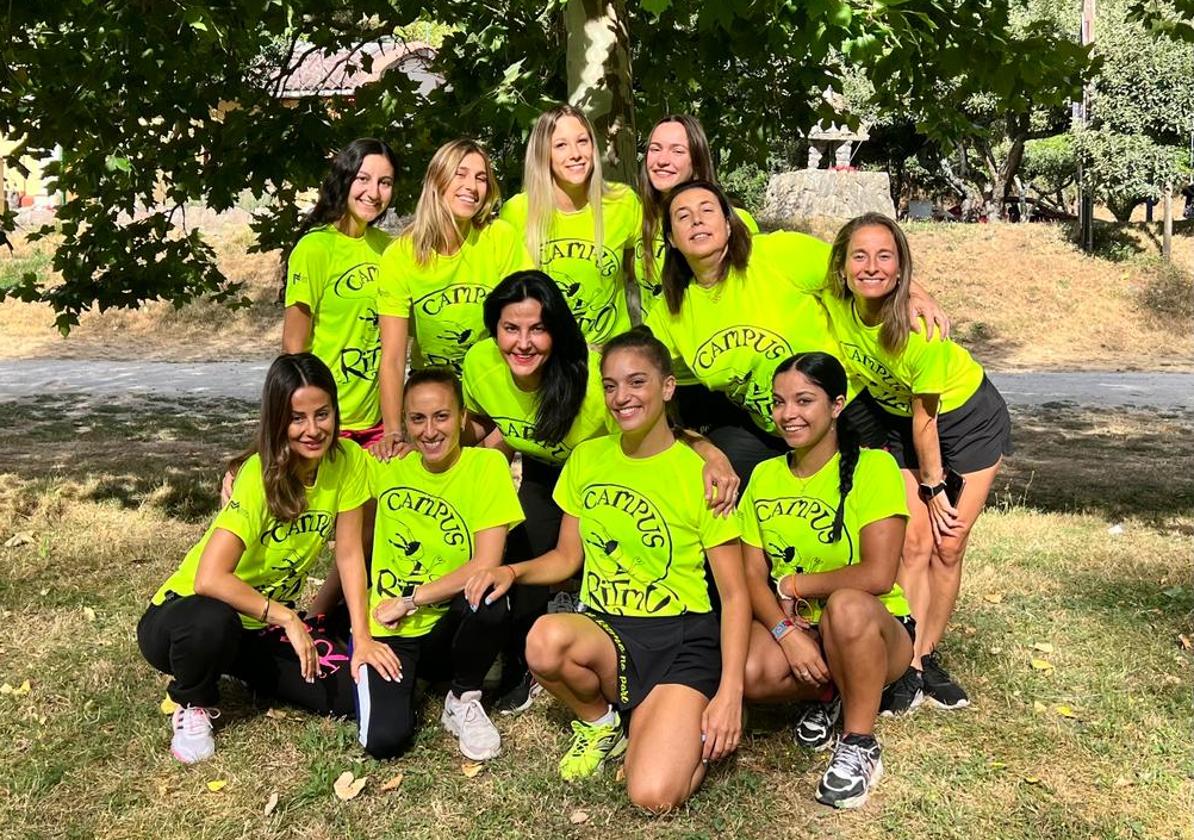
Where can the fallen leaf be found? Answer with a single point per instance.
(23, 688)
(346, 787)
(20, 539)
(5, 689)
(271, 804)
(1043, 647)
(89, 613)
(471, 768)
(1032, 780)
(1066, 711)
(578, 817)
(620, 776)
(969, 631)
(1184, 641)
(163, 787)
(393, 782)
(997, 765)
(993, 597)
(996, 650)
(275, 714)
(216, 785)
(1039, 707)
(1042, 665)
(1115, 530)
(1123, 781)
(167, 706)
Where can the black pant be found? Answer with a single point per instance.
(537, 535)
(462, 647)
(195, 639)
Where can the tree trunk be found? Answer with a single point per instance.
(599, 82)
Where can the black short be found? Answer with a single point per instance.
(974, 436)
(865, 416)
(909, 624)
(680, 650)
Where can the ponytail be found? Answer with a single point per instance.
(848, 447)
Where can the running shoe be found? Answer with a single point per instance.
(815, 725)
(193, 740)
(940, 687)
(564, 602)
(903, 695)
(853, 772)
(592, 745)
(518, 699)
(465, 718)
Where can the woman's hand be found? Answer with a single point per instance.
(923, 305)
(721, 726)
(721, 485)
(226, 487)
(390, 612)
(944, 518)
(391, 445)
(804, 658)
(304, 646)
(496, 582)
(379, 656)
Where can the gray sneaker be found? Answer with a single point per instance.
(465, 718)
(192, 739)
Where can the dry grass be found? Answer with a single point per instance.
(1022, 297)
(83, 754)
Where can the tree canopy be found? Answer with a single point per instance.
(156, 106)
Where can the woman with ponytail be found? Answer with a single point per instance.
(822, 529)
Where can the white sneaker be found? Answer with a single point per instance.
(563, 602)
(193, 740)
(464, 718)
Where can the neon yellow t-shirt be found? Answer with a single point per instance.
(447, 295)
(489, 391)
(426, 524)
(734, 334)
(791, 518)
(923, 367)
(278, 555)
(650, 289)
(594, 285)
(336, 277)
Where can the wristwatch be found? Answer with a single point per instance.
(928, 491)
(408, 600)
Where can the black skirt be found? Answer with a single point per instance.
(974, 436)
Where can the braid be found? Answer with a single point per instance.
(847, 444)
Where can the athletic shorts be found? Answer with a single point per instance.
(866, 419)
(364, 438)
(974, 436)
(680, 650)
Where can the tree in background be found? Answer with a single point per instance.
(157, 106)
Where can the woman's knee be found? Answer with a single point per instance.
(950, 552)
(389, 740)
(547, 645)
(849, 614)
(656, 793)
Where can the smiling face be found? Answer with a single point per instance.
(571, 153)
(669, 160)
(699, 227)
(434, 421)
(802, 410)
(635, 390)
(312, 423)
(371, 189)
(467, 188)
(523, 339)
(872, 263)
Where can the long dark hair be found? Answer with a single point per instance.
(677, 273)
(827, 373)
(333, 192)
(284, 491)
(566, 371)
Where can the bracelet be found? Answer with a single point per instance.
(782, 628)
(265, 613)
(779, 589)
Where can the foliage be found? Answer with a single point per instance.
(1123, 170)
(1050, 165)
(162, 105)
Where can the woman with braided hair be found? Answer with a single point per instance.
(822, 529)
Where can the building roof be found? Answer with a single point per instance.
(322, 73)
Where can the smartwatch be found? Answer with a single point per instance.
(928, 491)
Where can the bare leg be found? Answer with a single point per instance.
(769, 677)
(575, 661)
(866, 648)
(663, 765)
(913, 575)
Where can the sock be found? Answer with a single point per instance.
(606, 719)
(859, 740)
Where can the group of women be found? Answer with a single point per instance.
(714, 482)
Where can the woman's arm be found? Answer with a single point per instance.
(881, 543)
(721, 723)
(296, 328)
(721, 482)
(942, 515)
(490, 544)
(557, 565)
(391, 375)
(350, 564)
(799, 647)
(763, 603)
(216, 578)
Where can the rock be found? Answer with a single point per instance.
(793, 197)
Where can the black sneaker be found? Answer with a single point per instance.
(903, 695)
(518, 699)
(815, 725)
(940, 687)
(854, 770)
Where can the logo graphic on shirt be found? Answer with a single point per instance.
(310, 522)
(427, 534)
(757, 341)
(286, 588)
(471, 295)
(361, 362)
(581, 250)
(811, 513)
(754, 396)
(592, 317)
(628, 572)
(523, 430)
(356, 282)
(884, 387)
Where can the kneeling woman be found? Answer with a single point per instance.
(222, 611)
(828, 519)
(442, 515)
(636, 517)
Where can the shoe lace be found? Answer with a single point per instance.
(584, 736)
(933, 660)
(849, 760)
(196, 719)
(474, 712)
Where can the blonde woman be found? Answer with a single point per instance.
(579, 229)
(437, 273)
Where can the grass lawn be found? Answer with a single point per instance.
(1073, 641)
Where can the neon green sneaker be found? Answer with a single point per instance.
(592, 745)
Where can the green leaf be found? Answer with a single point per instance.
(114, 164)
